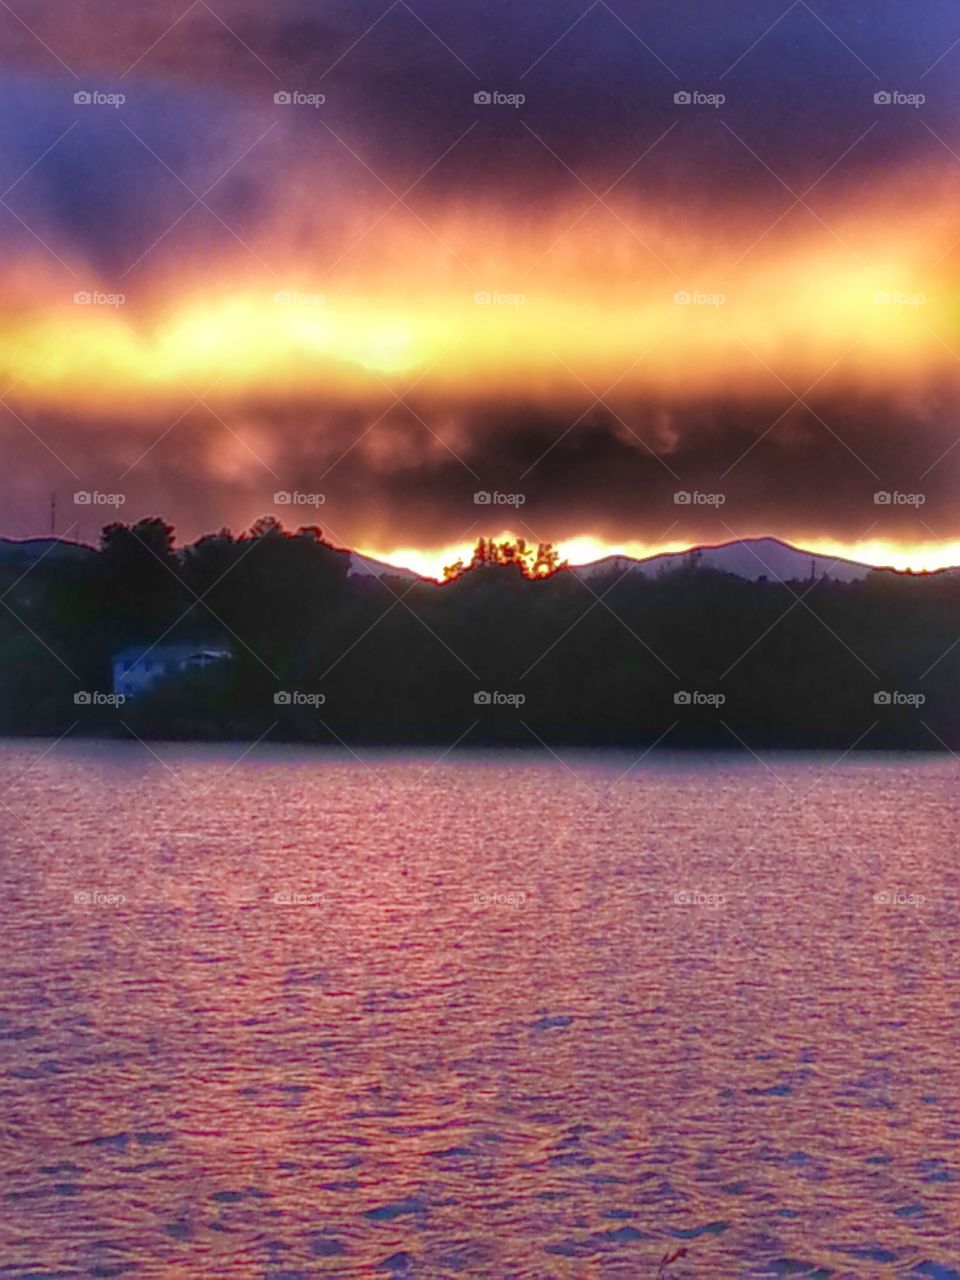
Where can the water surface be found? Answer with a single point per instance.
(303, 1013)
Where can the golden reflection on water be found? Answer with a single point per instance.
(491, 1018)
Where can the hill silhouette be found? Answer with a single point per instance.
(498, 655)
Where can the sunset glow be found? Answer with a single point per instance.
(685, 309)
(922, 558)
(398, 294)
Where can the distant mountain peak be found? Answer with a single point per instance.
(751, 558)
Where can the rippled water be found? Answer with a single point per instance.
(308, 1014)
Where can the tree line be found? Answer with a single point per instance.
(514, 649)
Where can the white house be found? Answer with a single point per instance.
(136, 670)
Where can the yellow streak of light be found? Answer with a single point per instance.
(597, 307)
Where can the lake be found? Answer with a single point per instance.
(306, 1013)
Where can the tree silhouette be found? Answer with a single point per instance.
(539, 562)
(140, 586)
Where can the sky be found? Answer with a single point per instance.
(619, 276)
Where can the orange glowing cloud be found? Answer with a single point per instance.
(569, 303)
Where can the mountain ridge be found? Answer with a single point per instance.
(750, 558)
(754, 558)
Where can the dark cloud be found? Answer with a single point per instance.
(400, 90)
(813, 473)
